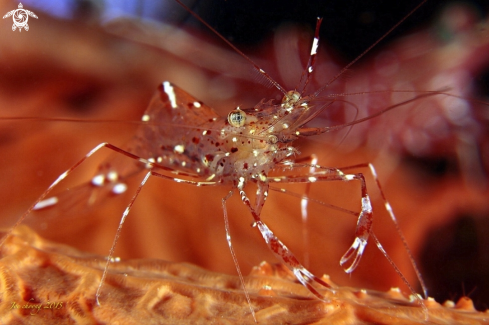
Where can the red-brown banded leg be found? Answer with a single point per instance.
(279, 249)
(390, 211)
(363, 229)
(365, 218)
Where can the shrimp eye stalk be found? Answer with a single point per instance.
(290, 99)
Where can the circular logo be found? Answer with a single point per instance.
(20, 17)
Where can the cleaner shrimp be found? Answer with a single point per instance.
(201, 148)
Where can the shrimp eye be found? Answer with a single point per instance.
(237, 118)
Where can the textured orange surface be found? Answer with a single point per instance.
(46, 283)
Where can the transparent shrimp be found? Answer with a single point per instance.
(185, 141)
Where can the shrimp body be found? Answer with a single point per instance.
(184, 134)
(179, 135)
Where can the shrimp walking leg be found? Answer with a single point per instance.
(117, 235)
(41, 202)
(127, 210)
(365, 217)
(279, 249)
(233, 254)
(390, 211)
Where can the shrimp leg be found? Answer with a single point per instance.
(279, 249)
(365, 217)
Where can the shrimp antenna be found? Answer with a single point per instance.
(307, 73)
(320, 90)
(255, 66)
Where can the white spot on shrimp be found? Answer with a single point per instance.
(179, 148)
(241, 183)
(372, 170)
(113, 176)
(119, 188)
(366, 206)
(145, 118)
(312, 179)
(98, 180)
(46, 203)
(349, 177)
(315, 44)
(197, 104)
(63, 176)
(167, 87)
